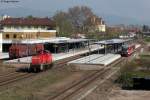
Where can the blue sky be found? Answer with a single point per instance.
(137, 9)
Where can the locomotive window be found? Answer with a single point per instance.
(7, 36)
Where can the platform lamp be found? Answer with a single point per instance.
(89, 49)
(105, 48)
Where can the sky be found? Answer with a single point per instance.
(135, 9)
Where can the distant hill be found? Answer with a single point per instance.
(114, 19)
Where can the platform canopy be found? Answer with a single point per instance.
(112, 41)
(57, 40)
(115, 44)
(70, 41)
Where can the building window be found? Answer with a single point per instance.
(7, 36)
(36, 27)
(15, 36)
(29, 27)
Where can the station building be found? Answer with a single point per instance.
(37, 30)
(27, 28)
(16, 29)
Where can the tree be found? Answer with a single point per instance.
(78, 15)
(30, 16)
(63, 24)
(78, 19)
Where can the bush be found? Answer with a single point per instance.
(133, 69)
(147, 39)
(125, 79)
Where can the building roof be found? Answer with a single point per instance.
(28, 21)
(146, 33)
(112, 41)
(56, 40)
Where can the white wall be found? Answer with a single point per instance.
(0, 42)
(102, 28)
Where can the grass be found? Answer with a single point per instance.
(145, 56)
(126, 78)
(26, 91)
(147, 39)
(136, 68)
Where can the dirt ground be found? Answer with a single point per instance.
(42, 85)
(129, 95)
(101, 93)
(51, 90)
(110, 91)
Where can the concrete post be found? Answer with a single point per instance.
(105, 49)
(1, 42)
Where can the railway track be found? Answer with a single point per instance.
(8, 74)
(74, 88)
(67, 93)
(61, 63)
(81, 84)
(13, 77)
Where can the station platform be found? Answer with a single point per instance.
(4, 55)
(94, 62)
(137, 46)
(71, 53)
(56, 57)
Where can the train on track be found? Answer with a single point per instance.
(127, 50)
(42, 61)
(23, 50)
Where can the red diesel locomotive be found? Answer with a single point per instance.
(23, 50)
(41, 61)
(127, 50)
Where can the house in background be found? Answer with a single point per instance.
(95, 24)
(27, 28)
(98, 24)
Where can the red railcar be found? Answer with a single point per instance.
(127, 50)
(41, 61)
(22, 50)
